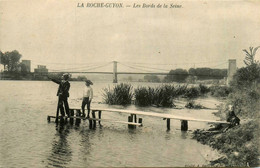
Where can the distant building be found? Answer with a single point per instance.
(41, 69)
(27, 66)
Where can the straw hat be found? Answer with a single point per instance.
(66, 75)
(89, 82)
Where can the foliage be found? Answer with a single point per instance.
(208, 73)
(246, 103)
(144, 96)
(246, 77)
(191, 79)
(192, 105)
(177, 75)
(151, 78)
(240, 144)
(192, 92)
(161, 96)
(81, 78)
(250, 56)
(249, 76)
(180, 90)
(10, 60)
(220, 91)
(203, 89)
(120, 94)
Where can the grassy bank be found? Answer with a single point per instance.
(240, 144)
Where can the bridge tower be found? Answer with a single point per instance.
(115, 72)
(232, 68)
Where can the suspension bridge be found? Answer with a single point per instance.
(138, 69)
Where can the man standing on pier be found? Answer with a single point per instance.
(87, 97)
(63, 93)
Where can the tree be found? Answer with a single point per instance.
(10, 60)
(248, 76)
(4, 60)
(151, 78)
(250, 56)
(177, 75)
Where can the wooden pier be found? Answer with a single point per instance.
(132, 118)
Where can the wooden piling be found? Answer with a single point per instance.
(168, 124)
(90, 124)
(99, 116)
(130, 119)
(94, 117)
(72, 115)
(48, 118)
(140, 121)
(133, 119)
(184, 125)
(78, 120)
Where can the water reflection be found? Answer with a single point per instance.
(184, 134)
(61, 153)
(86, 144)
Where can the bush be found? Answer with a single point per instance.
(203, 89)
(192, 92)
(240, 144)
(144, 96)
(192, 105)
(121, 94)
(161, 96)
(180, 90)
(220, 91)
(246, 104)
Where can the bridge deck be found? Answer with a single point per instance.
(153, 114)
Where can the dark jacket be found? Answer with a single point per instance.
(64, 88)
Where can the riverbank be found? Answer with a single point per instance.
(240, 144)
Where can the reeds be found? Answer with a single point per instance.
(120, 94)
(160, 96)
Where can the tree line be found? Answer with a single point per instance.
(182, 75)
(11, 61)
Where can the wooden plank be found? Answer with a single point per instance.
(105, 120)
(159, 115)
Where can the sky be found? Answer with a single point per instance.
(61, 35)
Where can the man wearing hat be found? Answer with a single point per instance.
(87, 97)
(63, 93)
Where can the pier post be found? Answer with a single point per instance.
(48, 118)
(184, 125)
(130, 119)
(94, 117)
(168, 124)
(133, 119)
(140, 120)
(99, 116)
(78, 120)
(90, 123)
(72, 115)
(115, 72)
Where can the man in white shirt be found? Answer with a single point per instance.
(87, 97)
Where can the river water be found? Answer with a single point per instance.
(28, 140)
